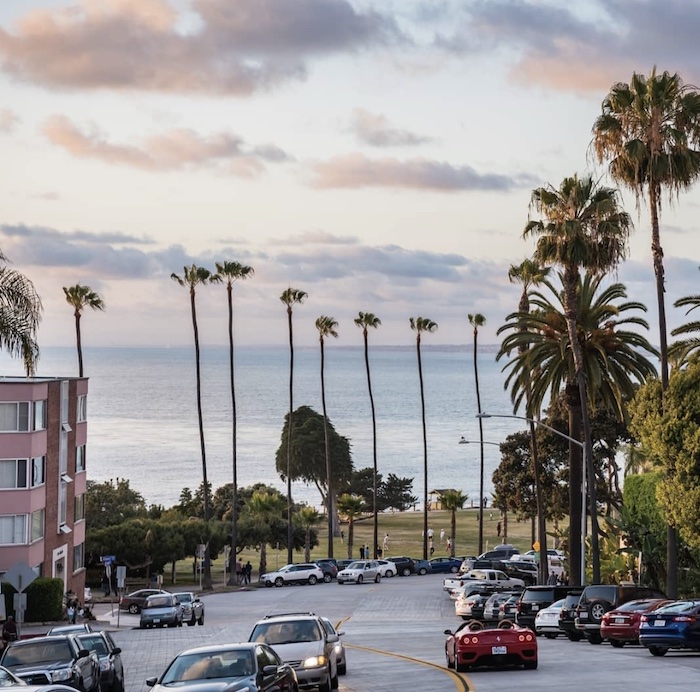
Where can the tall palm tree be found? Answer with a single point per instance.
(420, 325)
(649, 131)
(478, 320)
(452, 500)
(351, 507)
(290, 297)
(230, 272)
(365, 320)
(327, 327)
(307, 517)
(192, 277)
(583, 228)
(20, 314)
(531, 273)
(81, 297)
(263, 507)
(613, 357)
(685, 348)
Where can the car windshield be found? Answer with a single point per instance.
(184, 597)
(40, 652)
(94, 643)
(234, 663)
(286, 632)
(356, 565)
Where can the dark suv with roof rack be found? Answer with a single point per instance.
(405, 566)
(567, 616)
(536, 598)
(598, 599)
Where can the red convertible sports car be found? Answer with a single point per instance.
(471, 645)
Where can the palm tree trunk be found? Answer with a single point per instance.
(481, 449)
(307, 545)
(206, 583)
(233, 577)
(375, 513)
(329, 485)
(263, 558)
(575, 483)
(351, 537)
(425, 453)
(290, 427)
(453, 531)
(79, 343)
(541, 520)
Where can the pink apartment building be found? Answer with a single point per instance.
(43, 435)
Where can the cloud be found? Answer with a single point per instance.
(46, 196)
(219, 47)
(173, 150)
(8, 120)
(357, 171)
(377, 131)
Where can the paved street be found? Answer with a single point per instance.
(397, 627)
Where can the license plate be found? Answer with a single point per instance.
(583, 616)
(619, 621)
(659, 623)
(535, 607)
(499, 650)
(156, 620)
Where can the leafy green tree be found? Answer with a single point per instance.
(396, 492)
(453, 500)
(307, 518)
(420, 325)
(352, 508)
(365, 321)
(228, 273)
(361, 483)
(192, 277)
(81, 297)
(112, 502)
(290, 297)
(264, 509)
(20, 314)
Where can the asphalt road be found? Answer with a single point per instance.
(394, 639)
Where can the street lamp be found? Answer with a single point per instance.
(583, 485)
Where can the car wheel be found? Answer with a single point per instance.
(406, 572)
(597, 609)
(378, 578)
(388, 574)
(454, 569)
(313, 579)
(360, 579)
(657, 650)
(134, 609)
(594, 638)
(342, 668)
(460, 667)
(117, 684)
(574, 636)
(192, 621)
(341, 582)
(325, 686)
(334, 681)
(450, 663)
(550, 635)
(422, 571)
(617, 643)
(530, 665)
(327, 578)
(201, 619)
(279, 581)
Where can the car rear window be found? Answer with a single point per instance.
(679, 607)
(537, 596)
(592, 593)
(158, 602)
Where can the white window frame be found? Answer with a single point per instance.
(81, 411)
(38, 522)
(35, 482)
(39, 409)
(79, 508)
(18, 474)
(20, 521)
(21, 417)
(80, 461)
(78, 557)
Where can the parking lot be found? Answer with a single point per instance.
(394, 636)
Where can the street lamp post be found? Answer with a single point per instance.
(582, 446)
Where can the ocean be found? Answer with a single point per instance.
(142, 416)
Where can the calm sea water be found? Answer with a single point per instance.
(143, 421)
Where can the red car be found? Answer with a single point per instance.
(471, 645)
(621, 626)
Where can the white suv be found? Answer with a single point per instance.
(302, 573)
(302, 641)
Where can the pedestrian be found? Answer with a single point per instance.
(105, 585)
(498, 528)
(552, 581)
(367, 556)
(385, 544)
(239, 570)
(431, 533)
(380, 552)
(449, 546)
(442, 535)
(342, 536)
(9, 631)
(431, 547)
(490, 516)
(247, 569)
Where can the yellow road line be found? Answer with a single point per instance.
(462, 683)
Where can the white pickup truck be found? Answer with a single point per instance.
(488, 577)
(555, 562)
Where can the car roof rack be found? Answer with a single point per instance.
(281, 615)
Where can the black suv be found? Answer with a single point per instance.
(567, 616)
(405, 566)
(59, 659)
(329, 567)
(598, 599)
(535, 598)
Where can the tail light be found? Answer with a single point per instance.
(684, 618)
(502, 608)
(518, 606)
(644, 618)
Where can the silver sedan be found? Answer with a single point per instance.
(360, 571)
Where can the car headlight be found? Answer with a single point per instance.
(338, 648)
(106, 664)
(61, 674)
(314, 662)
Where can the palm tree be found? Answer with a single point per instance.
(290, 296)
(351, 507)
(531, 273)
(307, 517)
(452, 500)
(326, 327)
(20, 314)
(81, 297)
(583, 227)
(365, 320)
(263, 507)
(420, 325)
(229, 272)
(684, 349)
(192, 277)
(649, 131)
(478, 320)
(613, 360)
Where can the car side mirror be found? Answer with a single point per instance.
(448, 632)
(269, 670)
(332, 638)
(151, 681)
(83, 653)
(116, 650)
(342, 632)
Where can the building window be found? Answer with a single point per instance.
(13, 529)
(64, 401)
(82, 408)
(13, 473)
(79, 507)
(37, 525)
(80, 458)
(78, 557)
(38, 471)
(14, 416)
(39, 415)
(62, 503)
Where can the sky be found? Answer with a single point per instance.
(379, 156)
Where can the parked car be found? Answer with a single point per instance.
(621, 626)
(493, 604)
(508, 609)
(302, 640)
(528, 576)
(301, 573)
(536, 598)
(422, 566)
(192, 607)
(470, 645)
(134, 601)
(9, 679)
(387, 568)
(471, 607)
(675, 625)
(360, 571)
(598, 599)
(109, 656)
(160, 610)
(329, 567)
(442, 565)
(547, 620)
(78, 628)
(339, 647)
(342, 564)
(500, 552)
(567, 615)
(245, 666)
(405, 565)
(494, 577)
(57, 659)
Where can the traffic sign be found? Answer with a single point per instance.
(20, 575)
(536, 546)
